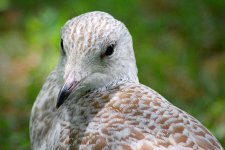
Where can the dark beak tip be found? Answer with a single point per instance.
(63, 94)
(57, 106)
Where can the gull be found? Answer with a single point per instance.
(93, 98)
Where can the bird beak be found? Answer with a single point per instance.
(66, 90)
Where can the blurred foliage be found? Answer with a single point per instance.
(179, 46)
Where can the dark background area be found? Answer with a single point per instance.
(179, 47)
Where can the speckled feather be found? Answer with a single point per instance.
(115, 111)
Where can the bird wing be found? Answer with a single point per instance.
(43, 112)
(137, 117)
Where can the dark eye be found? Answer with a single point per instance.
(62, 47)
(110, 49)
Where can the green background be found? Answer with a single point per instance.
(179, 46)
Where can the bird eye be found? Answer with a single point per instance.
(110, 49)
(62, 47)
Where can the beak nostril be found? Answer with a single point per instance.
(72, 85)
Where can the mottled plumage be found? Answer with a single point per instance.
(93, 99)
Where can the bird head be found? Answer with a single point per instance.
(96, 50)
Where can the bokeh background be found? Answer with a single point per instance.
(179, 46)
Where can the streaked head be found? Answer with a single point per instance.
(96, 51)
